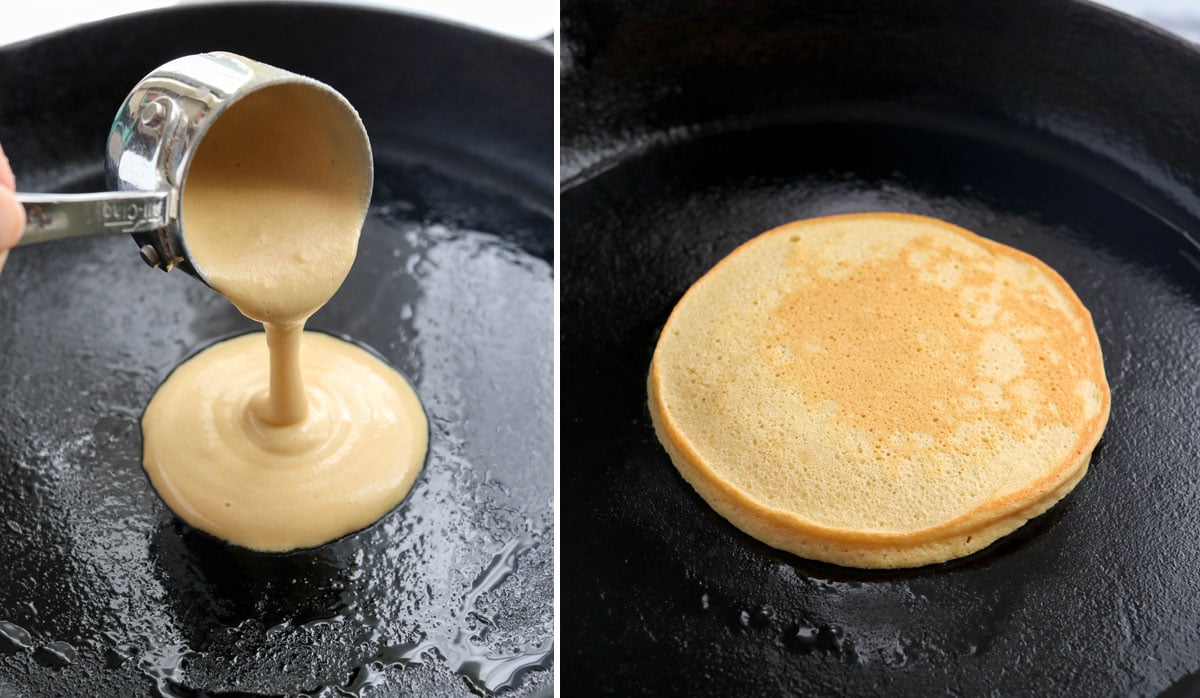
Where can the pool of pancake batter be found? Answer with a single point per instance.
(285, 439)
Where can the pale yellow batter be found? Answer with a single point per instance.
(226, 470)
(323, 438)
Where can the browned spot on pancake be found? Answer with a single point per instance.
(913, 344)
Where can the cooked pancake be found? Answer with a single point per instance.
(879, 390)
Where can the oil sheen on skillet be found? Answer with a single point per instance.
(102, 590)
(450, 594)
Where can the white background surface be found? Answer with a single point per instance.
(1179, 16)
(525, 19)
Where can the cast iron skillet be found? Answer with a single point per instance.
(1057, 127)
(102, 591)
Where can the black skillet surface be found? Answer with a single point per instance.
(102, 591)
(1059, 128)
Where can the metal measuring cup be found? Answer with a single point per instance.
(153, 140)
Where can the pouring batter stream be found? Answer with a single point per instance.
(285, 439)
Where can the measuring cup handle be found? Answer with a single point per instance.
(57, 216)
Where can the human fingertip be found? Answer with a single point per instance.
(12, 219)
(7, 179)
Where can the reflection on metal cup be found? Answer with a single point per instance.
(153, 139)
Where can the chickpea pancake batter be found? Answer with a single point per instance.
(287, 439)
(879, 390)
